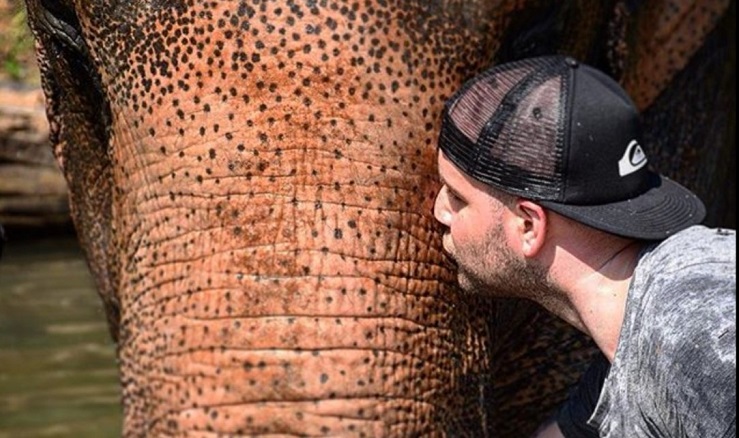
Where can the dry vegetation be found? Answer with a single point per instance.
(17, 62)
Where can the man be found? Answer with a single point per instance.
(547, 196)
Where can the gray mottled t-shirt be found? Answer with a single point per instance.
(674, 373)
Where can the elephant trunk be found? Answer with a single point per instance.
(279, 287)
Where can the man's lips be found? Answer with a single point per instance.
(445, 242)
(447, 246)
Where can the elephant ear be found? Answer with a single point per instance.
(681, 71)
(659, 40)
(78, 115)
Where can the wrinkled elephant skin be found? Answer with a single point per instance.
(253, 182)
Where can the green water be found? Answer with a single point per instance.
(57, 362)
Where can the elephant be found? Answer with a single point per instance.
(252, 182)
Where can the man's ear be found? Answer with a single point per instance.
(532, 227)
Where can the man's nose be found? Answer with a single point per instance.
(441, 211)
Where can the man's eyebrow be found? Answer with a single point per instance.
(444, 181)
(449, 187)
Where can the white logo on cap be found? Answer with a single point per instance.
(634, 159)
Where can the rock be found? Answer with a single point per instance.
(32, 189)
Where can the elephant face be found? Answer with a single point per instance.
(253, 183)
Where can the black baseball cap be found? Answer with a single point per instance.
(566, 135)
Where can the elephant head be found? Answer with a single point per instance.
(253, 180)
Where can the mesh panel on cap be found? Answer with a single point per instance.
(506, 128)
(478, 104)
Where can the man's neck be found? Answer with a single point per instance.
(596, 287)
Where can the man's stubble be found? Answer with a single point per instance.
(490, 268)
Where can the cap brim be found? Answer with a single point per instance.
(658, 213)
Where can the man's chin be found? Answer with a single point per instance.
(469, 283)
(451, 259)
(475, 286)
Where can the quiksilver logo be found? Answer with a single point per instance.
(634, 159)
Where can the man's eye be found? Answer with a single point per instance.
(454, 197)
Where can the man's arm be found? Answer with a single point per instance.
(571, 421)
(549, 430)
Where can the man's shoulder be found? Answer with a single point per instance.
(697, 265)
(685, 296)
(683, 329)
(694, 246)
(677, 351)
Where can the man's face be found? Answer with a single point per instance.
(475, 236)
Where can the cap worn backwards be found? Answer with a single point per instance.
(568, 136)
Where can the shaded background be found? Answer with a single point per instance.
(58, 375)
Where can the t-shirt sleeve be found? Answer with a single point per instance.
(573, 416)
